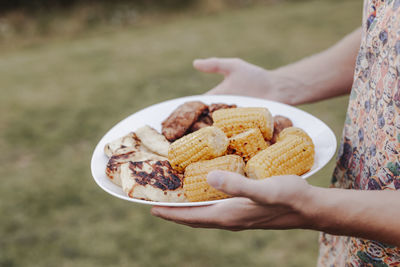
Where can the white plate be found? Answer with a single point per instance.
(321, 134)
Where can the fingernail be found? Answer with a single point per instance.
(215, 179)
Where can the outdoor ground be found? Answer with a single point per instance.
(58, 97)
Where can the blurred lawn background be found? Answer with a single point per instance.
(68, 74)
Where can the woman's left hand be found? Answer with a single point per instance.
(274, 203)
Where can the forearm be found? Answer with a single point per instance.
(324, 75)
(372, 215)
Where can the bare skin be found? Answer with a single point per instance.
(288, 202)
(324, 75)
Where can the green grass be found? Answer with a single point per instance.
(58, 98)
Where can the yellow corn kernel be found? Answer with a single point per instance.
(195, 183)
(206, 143)
(292, 155)
(236, 120)
(247, 144)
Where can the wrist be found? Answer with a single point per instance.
(308, 207)
(288, 87)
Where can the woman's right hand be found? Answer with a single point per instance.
(243, 78)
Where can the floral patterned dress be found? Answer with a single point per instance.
(368, 157)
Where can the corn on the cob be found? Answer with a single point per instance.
(294, 154)
(195, 183)
(236, 120)
(294, 131)
(247, 144)
(206, 143)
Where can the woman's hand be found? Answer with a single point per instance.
(243, 78)
(287, 202)
(273, 203)
(321, 76)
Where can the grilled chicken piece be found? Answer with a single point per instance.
(115, 162)
(177, 124)
(154, 141)
(123, 145)
(153, 180)
(129, 148)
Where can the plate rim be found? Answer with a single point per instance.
(188, 98)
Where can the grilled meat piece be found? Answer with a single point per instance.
(123, 145)
(153, 180)
(131, 148)
(153, 140)
(177, 124)
(205, 119)
(280, 123)
(113, 170)
(216, 106)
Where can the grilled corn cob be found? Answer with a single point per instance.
(292, 154)
(206, 143)
(247, 144)
(195, 183)
(294, 131)
(236, 120)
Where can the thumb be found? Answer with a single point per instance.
(222, 66)
(237, 185)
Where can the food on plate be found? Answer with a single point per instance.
(122, 145)
(114, 163)
(293, 153)
(216, 106)
(247, 143)
(190, 117)
(280, 123)
(153, 180)
(153, 140)
(294, 131)
(205, 138)
(195, 183)
(236, 120)
(131, 148)
(180, 120)
(203, 121)
(206, 143)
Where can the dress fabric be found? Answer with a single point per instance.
(368, 157)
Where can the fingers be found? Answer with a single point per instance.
(191, 216)
(222, 66)
(234, 184)
(172, 213)
(223, 215)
